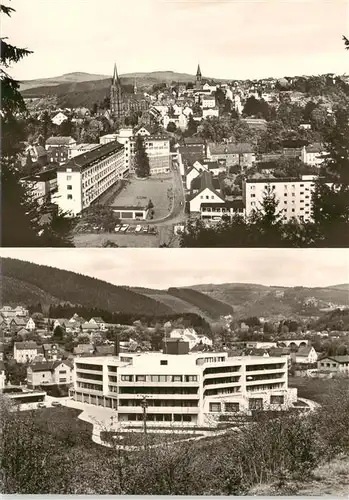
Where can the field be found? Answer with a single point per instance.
(139, 192)
(94, 240)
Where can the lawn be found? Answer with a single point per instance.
(94, 240)
(139, 192)
(313, 388)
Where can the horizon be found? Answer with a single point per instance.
(159, 269)
(292, 37)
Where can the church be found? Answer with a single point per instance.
(123, 104)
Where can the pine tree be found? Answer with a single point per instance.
(21, 217)
(266, 222)
(141, 159)
(330, 207)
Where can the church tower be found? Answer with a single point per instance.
(135, 88)
(198, 82)
(115, 95)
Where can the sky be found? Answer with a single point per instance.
(234, 39)
(159, 268)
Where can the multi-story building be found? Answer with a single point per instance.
(294, 195)
(24, 352)
(58, 147)
(157, 148)
(49, 373)
(41, 186)
(83, 179)
(313, 154)
(183, 389)
(241, 154)
(80, 149)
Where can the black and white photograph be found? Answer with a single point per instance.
(148, 372)
(158, 123)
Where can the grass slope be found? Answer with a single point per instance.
(48, 283)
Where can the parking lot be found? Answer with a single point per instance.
(138, 192)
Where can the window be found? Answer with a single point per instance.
(141, 378)
(69, 187)
(277, 400)
(163, 362)
(70, 197)
(253, 195)
(255, 404)
(215, 407)
(177, 378)
(191, 378)
(207, 197)
(68, 177)
(126, 378)
(231, 407)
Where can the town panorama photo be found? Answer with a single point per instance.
(180, 128)
(135, 372)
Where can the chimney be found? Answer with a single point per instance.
(117, 346)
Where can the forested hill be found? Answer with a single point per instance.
(27, 283)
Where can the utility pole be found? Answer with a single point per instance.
(144, 405)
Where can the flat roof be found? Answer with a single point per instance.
(84, 160)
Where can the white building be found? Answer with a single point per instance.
(2, 376)
(182, 389)
(334, 364)
(59, 118)
(208, 101)
(24, 352)
(294, 195)
(313, 155)
(30, 326)
(105, 139)
(41, 186)
(209, 112)
(80, 149)
(87, 176)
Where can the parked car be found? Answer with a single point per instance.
(145, 229)
(131, 229)
(56, 403)
(138, 228)
(117, 228)
(124, 228)
(41, 405)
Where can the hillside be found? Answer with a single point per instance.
(27, 283)
(57, 80)
(211, 307)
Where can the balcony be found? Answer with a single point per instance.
(184, 410)
(89, 380)
(159, 396)
(266, 370)
(266, 381)
(158, 384)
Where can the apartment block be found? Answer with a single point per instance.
(182, 389)
(83, 179)
(294, 195)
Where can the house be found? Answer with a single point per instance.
(203, 339)
(313, 154)
(51, 352)
(2, 349)
(208, 112)
(59, 118)
(49, 373)
(256, 123)
(62, 322)
(334, 364)
(192, 173)
(305, 355)
(83, 350)
(241, 154)
(24, 352)
(16, 323)
(58, 148)
(99, 322)
(215, 167)
(30, 325)
(205, 189)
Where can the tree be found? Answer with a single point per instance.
(58, 333)
(141, 159)
(330, 207)
(171, 127)
(22, 218)
(192, 126)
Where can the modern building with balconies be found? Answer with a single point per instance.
(192, 389)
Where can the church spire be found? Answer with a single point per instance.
(135, 87)
(116, 79)
(198, 72)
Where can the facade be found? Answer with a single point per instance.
(334, 364)
(294, 195)
(105, 139)
(59, 118)
(204, 189)
(181, 389)
(122, 105)
(24, 352)
(58, 148)
(41, 185)
(241, 154)
(135, 213)
(2, 376)
(313, 154)
(157, 148)
(80, 149)
(208, 101)
(83, 179)
(305, 355)
(49, 373)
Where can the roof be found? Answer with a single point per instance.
(104, 350)
(83, 348)
(19, 321)
(239, 148)
(338, 359)
(26, 345)
(205, 181)
(84, 160)
(98, 319)
(316, 147)
(47, 365)
(59, 140)
(304, 350)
